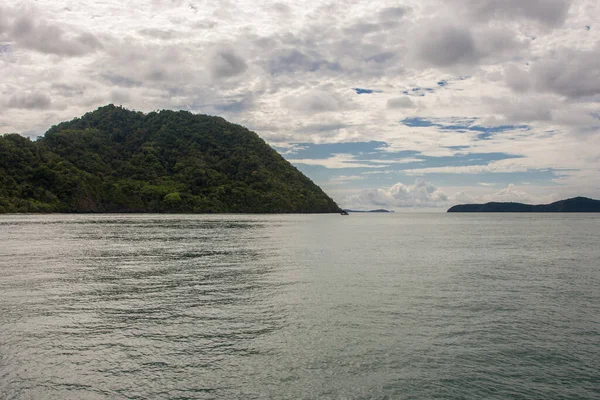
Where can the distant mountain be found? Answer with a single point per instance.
(117, 160)
(577, 204)
(381, 210)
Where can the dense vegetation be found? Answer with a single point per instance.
(116, 160)
(576, 204)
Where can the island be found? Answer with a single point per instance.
(576, 204)
(114, 160)
(381, 210)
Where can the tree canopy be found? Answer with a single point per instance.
(117, 160)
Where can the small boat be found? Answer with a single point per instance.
(344, 212)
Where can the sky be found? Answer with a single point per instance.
(384, 104)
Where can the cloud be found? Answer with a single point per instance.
(423, 194)
(41, 36)
(497, 44)
(340, 161)
(119, 96)
(524, 108)
(517, 79)
(133, 63)
(315, 101)
(343, 179)
(400, 102)
(506, 195)
(293, 60)
(235, 106)
(322, 128)
(566, 72)
(502, 166)
(162, 34)
(225, 63)
(550, 13)
(361, 28)
(443, 46)
(510, 194)
(4, 24)
(29, 101)
(393, 13)
(420, 194)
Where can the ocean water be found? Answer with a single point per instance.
(382, 306)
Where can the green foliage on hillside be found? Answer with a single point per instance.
(116, 160)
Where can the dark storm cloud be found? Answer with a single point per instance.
(30, 101)
(226, 63)
(51, 39)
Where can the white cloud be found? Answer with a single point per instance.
(29, 30)
(566, 72)
(550, 13)
(225, 63)
(400, 102)
(503, 166)
(509, 194)
(338, 161)
(420, 194)
(315, 101)
(442, 46)
(31, 101)
(343, 179)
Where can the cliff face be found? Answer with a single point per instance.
(577, 204)
(116, 160)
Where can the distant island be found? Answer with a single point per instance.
(116, 160)
(576, 204)
(381, 210)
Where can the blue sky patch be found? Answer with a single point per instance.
(468, 125)
(418, 122)
(326, 150)
(379, 167)
(364, 91)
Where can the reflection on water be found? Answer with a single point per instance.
(413, 306)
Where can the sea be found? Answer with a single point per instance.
(367, 306)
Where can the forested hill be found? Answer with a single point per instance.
(117, 160)
(576, 204)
